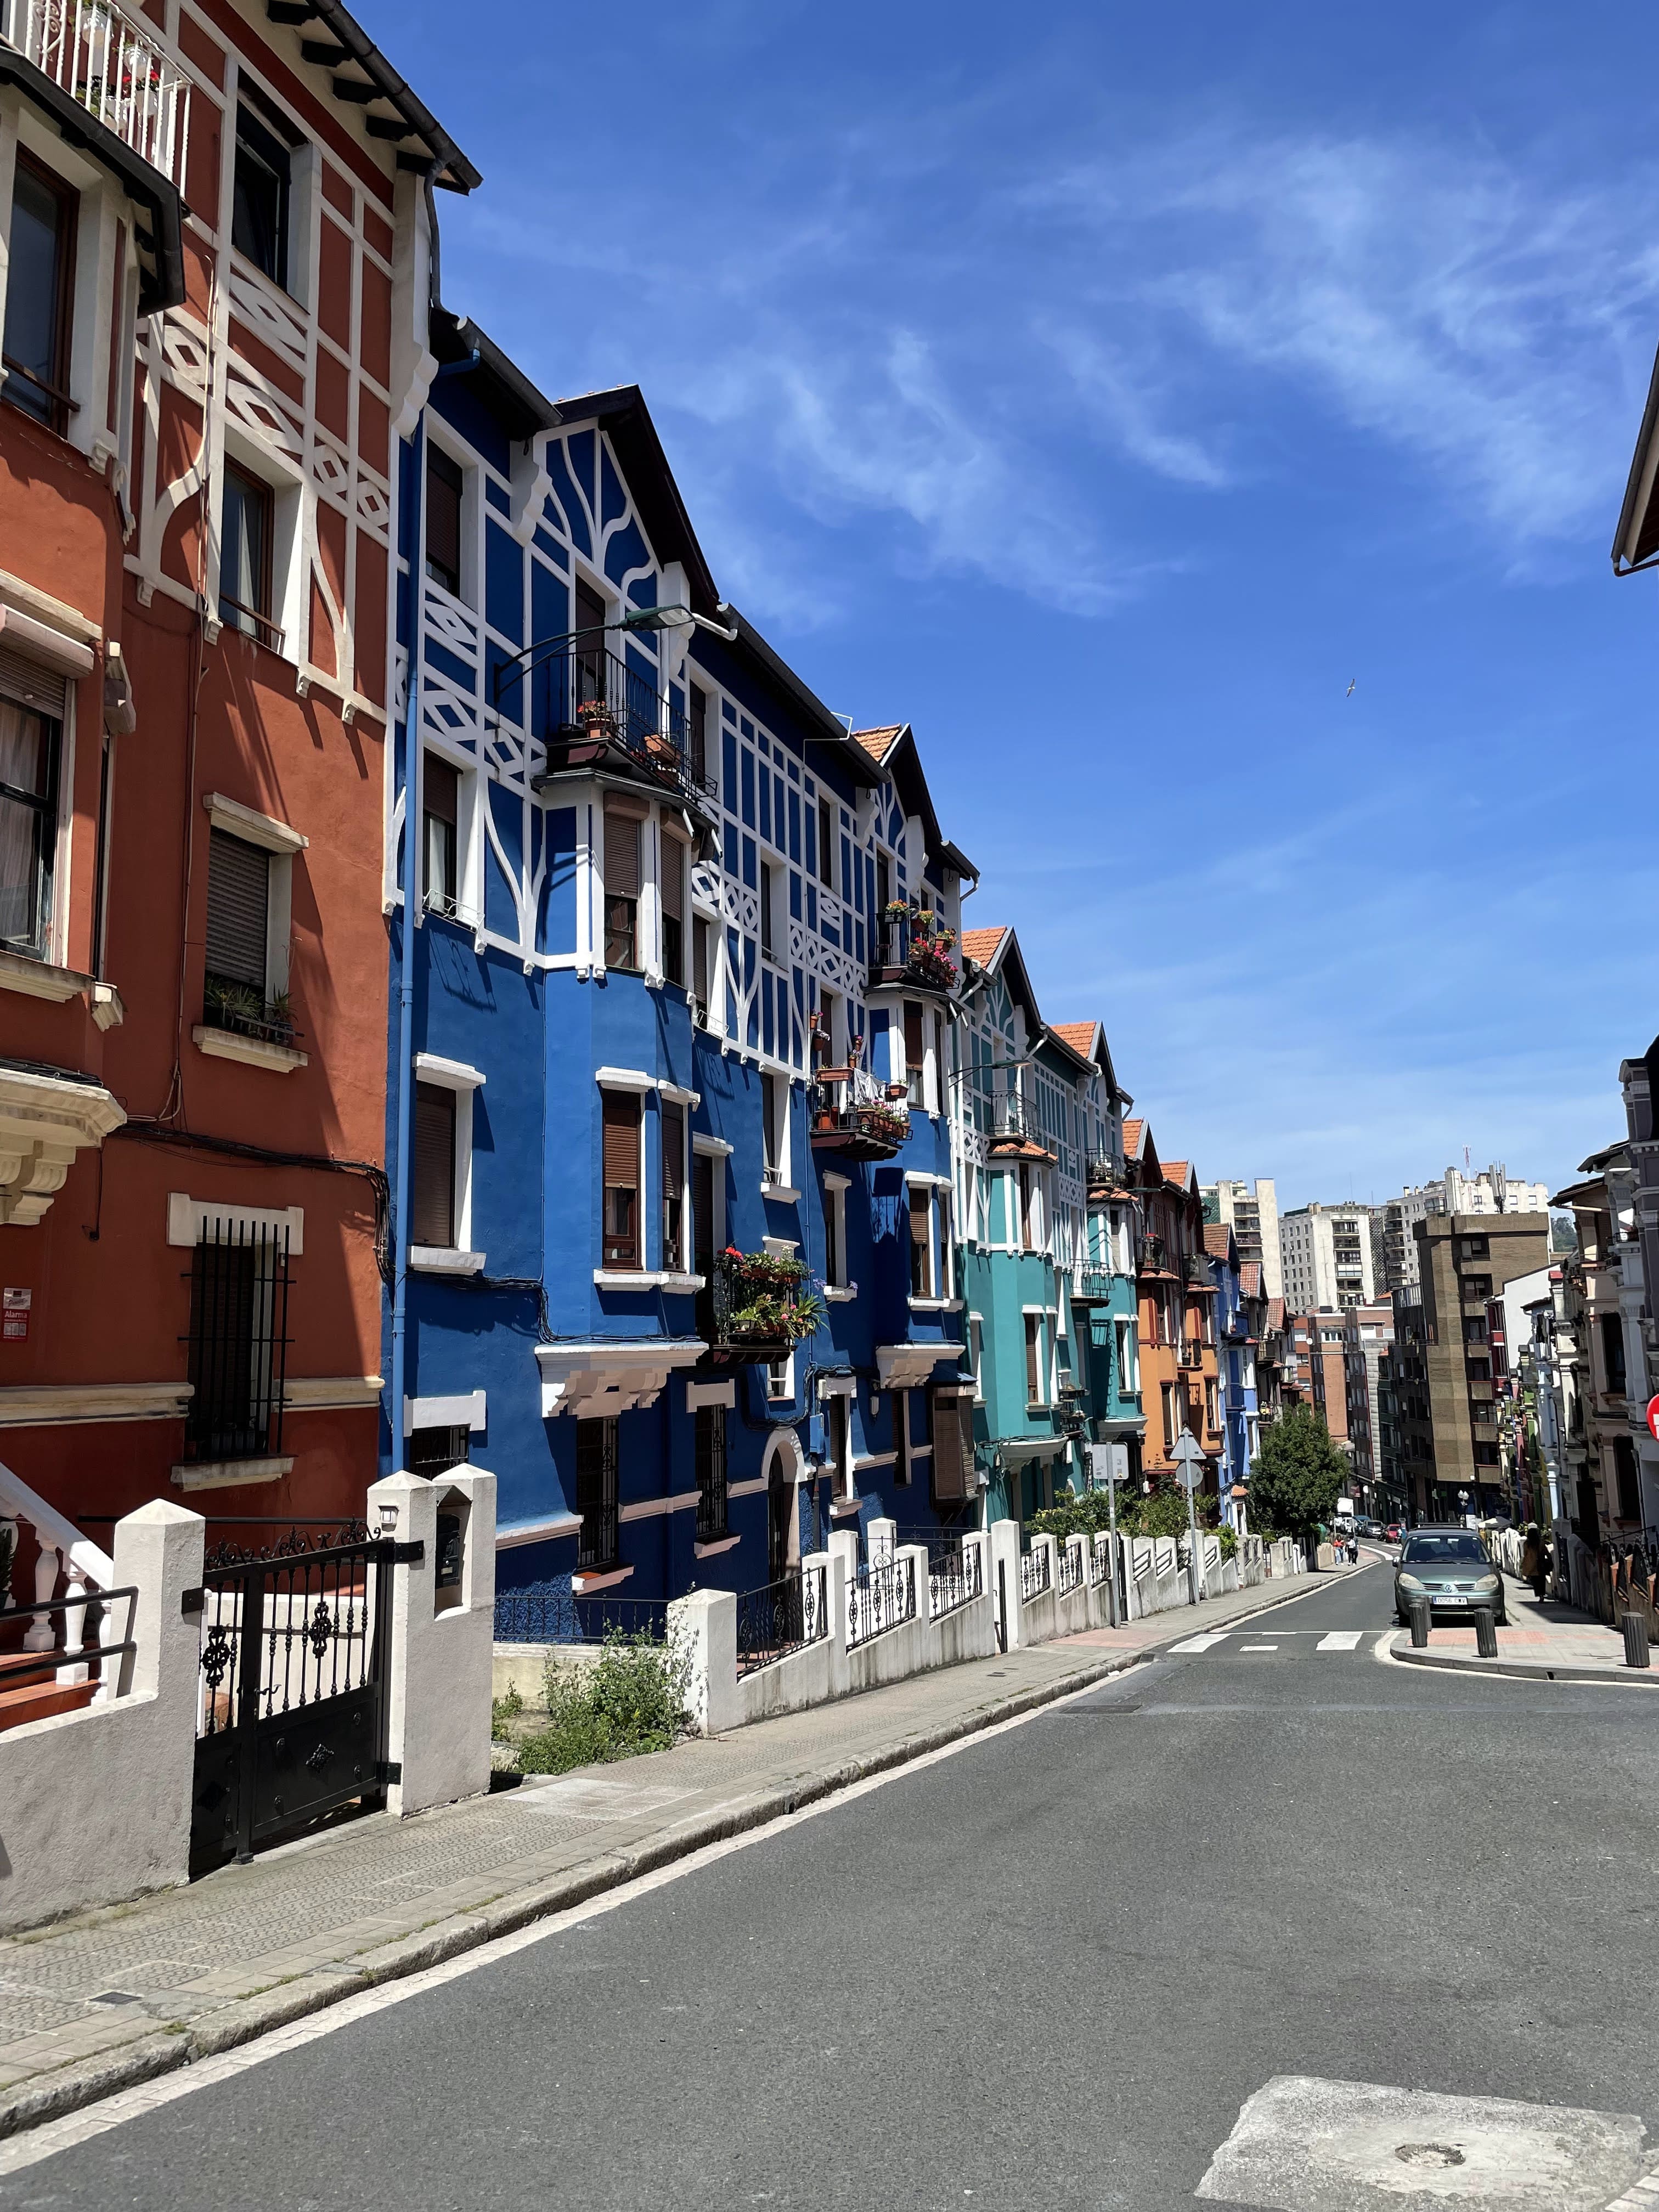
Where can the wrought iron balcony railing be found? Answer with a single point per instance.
(760, 1305)
(911, 948)
(852, 1113)
(1192, 1352)
(604, 712)
(1094, 1286)
(96, 52)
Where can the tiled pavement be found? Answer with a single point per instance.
(114, 1997)
(1542, 1639)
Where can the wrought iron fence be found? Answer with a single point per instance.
(954, 1579)
(552, 1613)
(882, 1595)
(784, 1616)
(1071, 1568)
(1100, 1562)
(1035, 1572)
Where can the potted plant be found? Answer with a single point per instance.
(596, 716)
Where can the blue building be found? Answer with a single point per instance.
(673, 964)
(1236, 1330)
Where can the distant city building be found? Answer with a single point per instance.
(1394, 1252)
(1326, 1254)
(1251, 1211)
(1448, 1365)
(1367, 1341)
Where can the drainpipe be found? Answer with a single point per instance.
(406, 879)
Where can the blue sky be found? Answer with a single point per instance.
(1102, 393)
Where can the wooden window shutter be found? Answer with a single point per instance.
(238, 908)
(673, 1151)
(621, 855)
(433, 1204)
(674, 878)
(443, 511)
(950, 1473)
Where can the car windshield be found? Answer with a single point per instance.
(1458, 1545)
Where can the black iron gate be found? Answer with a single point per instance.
(291, 1722)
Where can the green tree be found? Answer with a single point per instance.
(1297, 1476)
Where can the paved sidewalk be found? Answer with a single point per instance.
(1545, 1640)
(113, 1997)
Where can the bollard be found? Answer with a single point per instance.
(1485, 1631)
(1635, 1640)
(1419, 1609)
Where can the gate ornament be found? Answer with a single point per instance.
(321, 1628)
(215, 1656)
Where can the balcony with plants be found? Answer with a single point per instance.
(852, 1113)
(110, 63)
(763, 1305)
(606, 715)
(241, 1009)
(915, 952)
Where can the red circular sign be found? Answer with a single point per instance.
(1653, 1415)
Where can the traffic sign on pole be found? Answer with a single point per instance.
(1189, 1456)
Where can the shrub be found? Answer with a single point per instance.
(504, 1710)
(1230, 1543)
(632, 1700)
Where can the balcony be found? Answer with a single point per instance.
(1155, 1258)
(853, 1115)
(606, 716)
(913, 952)
(1094, 1287)
(1104, 1173)
(1195, 1271)
(1192, 1352)
(760, 1306)
(102, 60)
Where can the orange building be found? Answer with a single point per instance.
(196, 510)
(1175, 1296)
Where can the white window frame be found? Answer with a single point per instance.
(715, 1149)
(281, 843)
(976, 1355)
(292, 531)
(459, 1258)
(835, 1186)
(784, 1368)
(454, 448)
(469, 858)
(1039, 1315)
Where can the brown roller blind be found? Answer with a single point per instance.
(947, 1447)
(31, 683)
(621, 1179)
(622, 856)
(673, 1151)
(239, 908)
(443, 516)
(913, 1047)
(441, 790)
(431, 1206)
(674, 878)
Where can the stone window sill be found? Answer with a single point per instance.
(838, 1294)
(39, 979)
(444, 1259)
(714, 1545)
(252, 1052)
(227, 1474)
(785, 1193)
(605, 1579)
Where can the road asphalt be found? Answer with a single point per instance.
(1049, 1968)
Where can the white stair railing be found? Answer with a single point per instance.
(62, 1550)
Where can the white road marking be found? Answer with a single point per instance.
(1201, 1643)
(1258, 1647)
(1340, 1639)
(45, 2140)
(1302, 2145)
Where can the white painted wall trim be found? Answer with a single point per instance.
(647, 1509)
(255, 828)
(467, 1411)
(710, 1393)
(448, 1074)
(716, 1147)
(623, 1078)
(537, 1532)
(185, 1216)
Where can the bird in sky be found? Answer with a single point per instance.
(1348, 694)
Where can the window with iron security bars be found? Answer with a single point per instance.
(238, 1340)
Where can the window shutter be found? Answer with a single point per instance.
(952, 1441)
(622, 856)
(443, 511)
(31, 683)
(622, 1172)
(673, 1152)
(674, 878)
(441, 789)
(913, 1046)
(432, 1208)
(239, 908)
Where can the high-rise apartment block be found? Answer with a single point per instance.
(1250, 1209)
(1394, 1237)
(1326, 1254)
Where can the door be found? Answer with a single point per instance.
(782, 1536)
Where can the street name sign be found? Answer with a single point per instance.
(1108, 1463)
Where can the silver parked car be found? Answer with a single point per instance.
(1452, 1567)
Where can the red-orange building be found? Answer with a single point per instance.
(214, 317)
(1175, 1294)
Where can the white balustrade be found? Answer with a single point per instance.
(92, 51)
(62, 1550)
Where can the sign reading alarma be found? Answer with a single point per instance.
(1653, 1415)
(15, 1316)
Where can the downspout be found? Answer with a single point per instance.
(406, 965)
(406, 884)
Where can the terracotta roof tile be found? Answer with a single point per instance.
(1080, 1036)
(877, 742)
(1132, 1139)
(981, 944)
(1175, 1171)
(1249, 1279)
(1215, 1234)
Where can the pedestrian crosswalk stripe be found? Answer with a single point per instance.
(1200, 1643)
(1340, 1639)
(1258, 1647)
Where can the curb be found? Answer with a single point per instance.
(1529, 1670)
(87, 2081)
